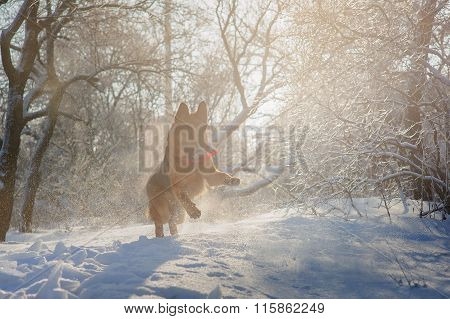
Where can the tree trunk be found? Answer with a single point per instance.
(168, 95)
(8, 157)
(33, 177)
(14, 121)
(413, 119)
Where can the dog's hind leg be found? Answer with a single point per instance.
(159, 228)
(174, 217)
(173, 228)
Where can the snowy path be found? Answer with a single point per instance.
(278, 254)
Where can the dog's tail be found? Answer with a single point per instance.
(147, 213)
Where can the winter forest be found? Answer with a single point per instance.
(334, 116)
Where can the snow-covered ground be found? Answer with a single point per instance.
(277, 254)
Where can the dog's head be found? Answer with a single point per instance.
(187, 141)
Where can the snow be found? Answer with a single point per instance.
(282, 253)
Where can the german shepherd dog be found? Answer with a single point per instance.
(186, 170)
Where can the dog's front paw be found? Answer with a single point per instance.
(194, 212)
(232, 181)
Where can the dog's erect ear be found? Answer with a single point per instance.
(202, 113)
(182, 113)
